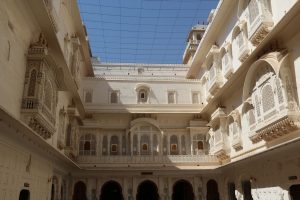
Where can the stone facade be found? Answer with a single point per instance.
(224, 125)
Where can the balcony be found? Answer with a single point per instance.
(274, 125)
(38, 117)
(260, 21)
(114, 162)
(215, 80)
(219, 149)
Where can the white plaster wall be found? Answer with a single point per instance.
(128, 95)
(14, 160)
(14, 45)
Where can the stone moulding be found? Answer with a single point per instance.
(237, 143)
(40, 126)
(260, 34)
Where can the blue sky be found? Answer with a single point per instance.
(142, 31)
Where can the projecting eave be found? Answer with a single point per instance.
(79, 27)
(212, 32)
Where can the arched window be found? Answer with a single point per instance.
(48, 94)
(88, 97)
(114, 97)
(32, 83)
(87, 145)
(174, 145)
(266, 93)
(198, 144)
(171, 97)
(143, 96)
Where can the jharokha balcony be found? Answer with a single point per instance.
(148, 161)
(215, 80)
(276, 124)
(260, 21)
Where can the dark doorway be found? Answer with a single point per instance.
(52, 192)
(212, 190)
(183, 190)
(111, 191)
(231, 191)
(246, 186)
(295, 192)
(24, 195)
(79, 191)
(147, 190)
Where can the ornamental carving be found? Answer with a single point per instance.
(40, 90)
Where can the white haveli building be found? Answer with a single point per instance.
(225, 125)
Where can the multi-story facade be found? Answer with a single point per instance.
(223, 125)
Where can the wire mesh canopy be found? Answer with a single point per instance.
(142, 31)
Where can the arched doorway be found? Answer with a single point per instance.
(212, 190)
(79, 191)
(295, 192)
(111, 190)
(147, 190)
(52, 192)
(183, 190)
(24, 195)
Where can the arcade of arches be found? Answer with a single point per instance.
(146, 190)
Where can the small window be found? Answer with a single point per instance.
(143, 96)
(114, 148)
(173, 147)
(195, 97)
(87, 146)
(171, 97)
(200, 145)
(145, 147)
(114, 97)
(88, 96)
(199, 37)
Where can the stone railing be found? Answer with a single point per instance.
(143, 159)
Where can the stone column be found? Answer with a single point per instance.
(168, 144)
(179, 144)
(151, 144)
(108, 144)
(120, 144)
(139, 144)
